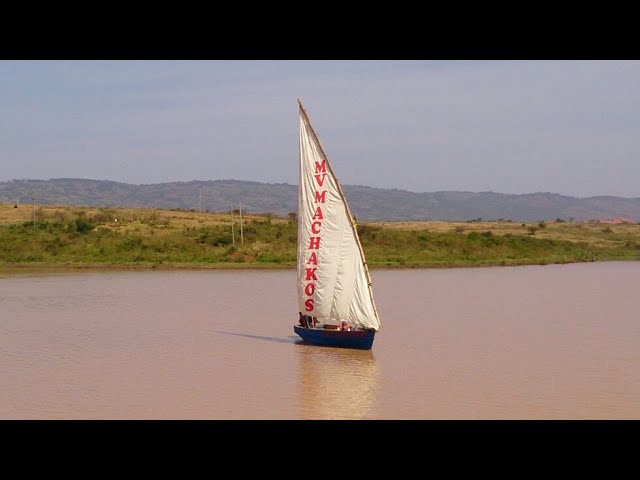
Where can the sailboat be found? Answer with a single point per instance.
(335, 299)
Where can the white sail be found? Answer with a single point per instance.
(333, 279)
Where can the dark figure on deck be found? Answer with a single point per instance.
(305, 320)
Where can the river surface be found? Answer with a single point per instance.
(532, 342)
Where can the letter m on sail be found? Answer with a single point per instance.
(321, 196)
(321, 166)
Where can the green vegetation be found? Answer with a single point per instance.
(424, 248)
(86, 240)
(72, 236)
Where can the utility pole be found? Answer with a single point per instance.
(241, 236)
(33, 199)
(233, 238)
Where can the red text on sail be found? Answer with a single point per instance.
(316, 236)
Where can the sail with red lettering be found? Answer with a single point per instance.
(333, 279)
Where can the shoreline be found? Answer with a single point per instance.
(23, 267)
(66, 238)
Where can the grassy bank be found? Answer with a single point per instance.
(144, 238)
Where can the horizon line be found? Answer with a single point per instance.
(294, 184)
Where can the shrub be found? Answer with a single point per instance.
(81, 225)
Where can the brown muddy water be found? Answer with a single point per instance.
(534, 342)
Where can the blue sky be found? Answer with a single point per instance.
(568, 127)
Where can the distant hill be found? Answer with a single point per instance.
(368, 204)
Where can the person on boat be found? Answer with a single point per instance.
(345, 327)
(315, 322)
(305, 320)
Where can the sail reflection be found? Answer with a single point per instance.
(336, 383)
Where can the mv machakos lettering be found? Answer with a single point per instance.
(316, 235)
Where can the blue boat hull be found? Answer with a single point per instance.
(360, 339)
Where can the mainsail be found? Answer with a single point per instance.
(333, 278)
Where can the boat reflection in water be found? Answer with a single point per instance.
(336, 383)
